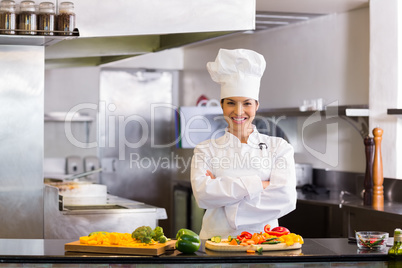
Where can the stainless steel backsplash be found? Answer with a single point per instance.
(353, 183)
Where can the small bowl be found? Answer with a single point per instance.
(372, 240)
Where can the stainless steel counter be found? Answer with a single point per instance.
(116, 215)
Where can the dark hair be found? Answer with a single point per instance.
(222, 100)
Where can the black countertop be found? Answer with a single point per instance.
(322, 250)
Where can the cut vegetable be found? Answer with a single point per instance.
(216, 239)
(233, 242)
(267, 228)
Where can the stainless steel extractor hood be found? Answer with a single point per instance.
(117, 29)
(100, 50)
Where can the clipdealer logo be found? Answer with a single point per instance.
(113, 124)
(330, 154)
(242, 161)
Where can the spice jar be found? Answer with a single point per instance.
(27, 18)
(46, 18)
(8, 18)
(66, 18)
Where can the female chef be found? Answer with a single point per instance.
(243, 179)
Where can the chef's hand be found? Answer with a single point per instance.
(209, 173)
(265, 184)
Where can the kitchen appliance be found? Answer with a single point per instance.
(21, 172)
(136, 128)
(304, 174)
(84, 194)
(66, 219)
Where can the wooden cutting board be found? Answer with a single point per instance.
(224, 246)
(151, 250)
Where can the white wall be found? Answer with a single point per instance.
(327, 57)
(66, 88)
(385, 80)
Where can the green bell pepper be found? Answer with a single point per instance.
(187, 241)
(186, 231)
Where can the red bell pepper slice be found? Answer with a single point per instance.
(278, 231)
(245, 235)
(278, 234)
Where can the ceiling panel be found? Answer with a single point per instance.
(309, 6)
(275, 13)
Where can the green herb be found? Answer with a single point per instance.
(271, 242)
(369, 244)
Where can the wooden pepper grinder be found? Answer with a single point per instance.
(368, 179)
(378, 179)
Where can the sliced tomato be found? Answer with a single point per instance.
(267, 228)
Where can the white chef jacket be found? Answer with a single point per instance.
(235, 200)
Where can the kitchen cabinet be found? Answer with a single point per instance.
(340, 211)
(314, 220)
(362, 219)
(330, 218)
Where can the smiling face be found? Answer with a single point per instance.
(239, 113)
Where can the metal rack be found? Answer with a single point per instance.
(355, 115)
(37, 40)
(345, 110)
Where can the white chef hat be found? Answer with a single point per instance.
(238, 71)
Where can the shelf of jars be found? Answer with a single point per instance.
(44, 24)
(39, 38)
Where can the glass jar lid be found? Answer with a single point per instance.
(66, 7)
(46, 7)
(7, 5)
(27, 6)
